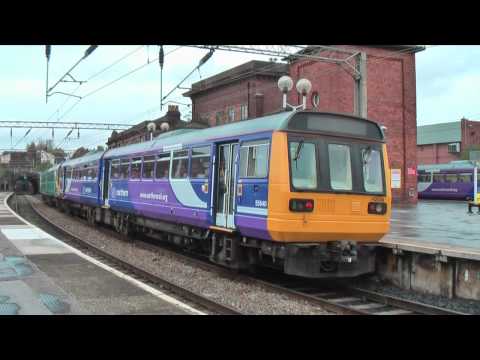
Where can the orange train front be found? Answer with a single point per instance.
(328, 196)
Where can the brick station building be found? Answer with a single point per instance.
(140, 132)
(387, 87)
(445, 142)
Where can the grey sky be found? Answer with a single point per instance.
(448, 83)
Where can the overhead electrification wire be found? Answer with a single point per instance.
(123, 57)
(125, 75)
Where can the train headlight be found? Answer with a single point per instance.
(377, 208)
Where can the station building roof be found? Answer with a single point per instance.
(439, 133)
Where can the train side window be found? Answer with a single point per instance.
(94, 173)
(340, 167)
(180, 164)
(254, 159)
(115, 169)
(465, 178)
(439, 178)
(451, 178)
(124, 165)
(148, 166)
(136, 168)
(90, 174)
(200, 163)
(303, 162)
(163, 166)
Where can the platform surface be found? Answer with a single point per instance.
(436, 225)
(41, 275)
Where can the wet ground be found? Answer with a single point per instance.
(445, 222)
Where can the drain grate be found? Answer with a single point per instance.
(54, 303)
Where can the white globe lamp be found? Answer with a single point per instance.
(303, 87)
(285, 84)
(164, 126)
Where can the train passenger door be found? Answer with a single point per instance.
(106, 181)
(226, 178)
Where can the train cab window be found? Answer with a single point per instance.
(163, 166)
(254, 159)
(425, 178)
(451, 178)
(439, 178)
(115, 169)
(303, 159)
(136, 168)
(180, 164)
(124, 165)
(200, 162)
(340, 167)
(372, 170)
(148, 165)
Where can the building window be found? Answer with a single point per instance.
(244, 112)
(219, 118)
(315, 99)
(454, 148)
(205, 118)
(231, 114)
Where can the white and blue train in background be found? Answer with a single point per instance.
(452, 181)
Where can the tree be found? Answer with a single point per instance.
(79, 152)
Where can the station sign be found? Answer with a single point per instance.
(396, 178)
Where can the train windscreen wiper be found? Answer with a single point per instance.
(297, 153)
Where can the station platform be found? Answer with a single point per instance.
(435, 227)
(41, 275)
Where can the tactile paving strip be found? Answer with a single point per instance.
(54, 303)
(8, 308)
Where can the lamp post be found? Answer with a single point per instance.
(303, 86)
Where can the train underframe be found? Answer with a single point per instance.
(336, 259)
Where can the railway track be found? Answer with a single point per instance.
(24, 207)
(336, 297)
(350, 300)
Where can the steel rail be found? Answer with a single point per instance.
(145, 275)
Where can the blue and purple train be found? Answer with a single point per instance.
(452, 181)
(304, 192)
